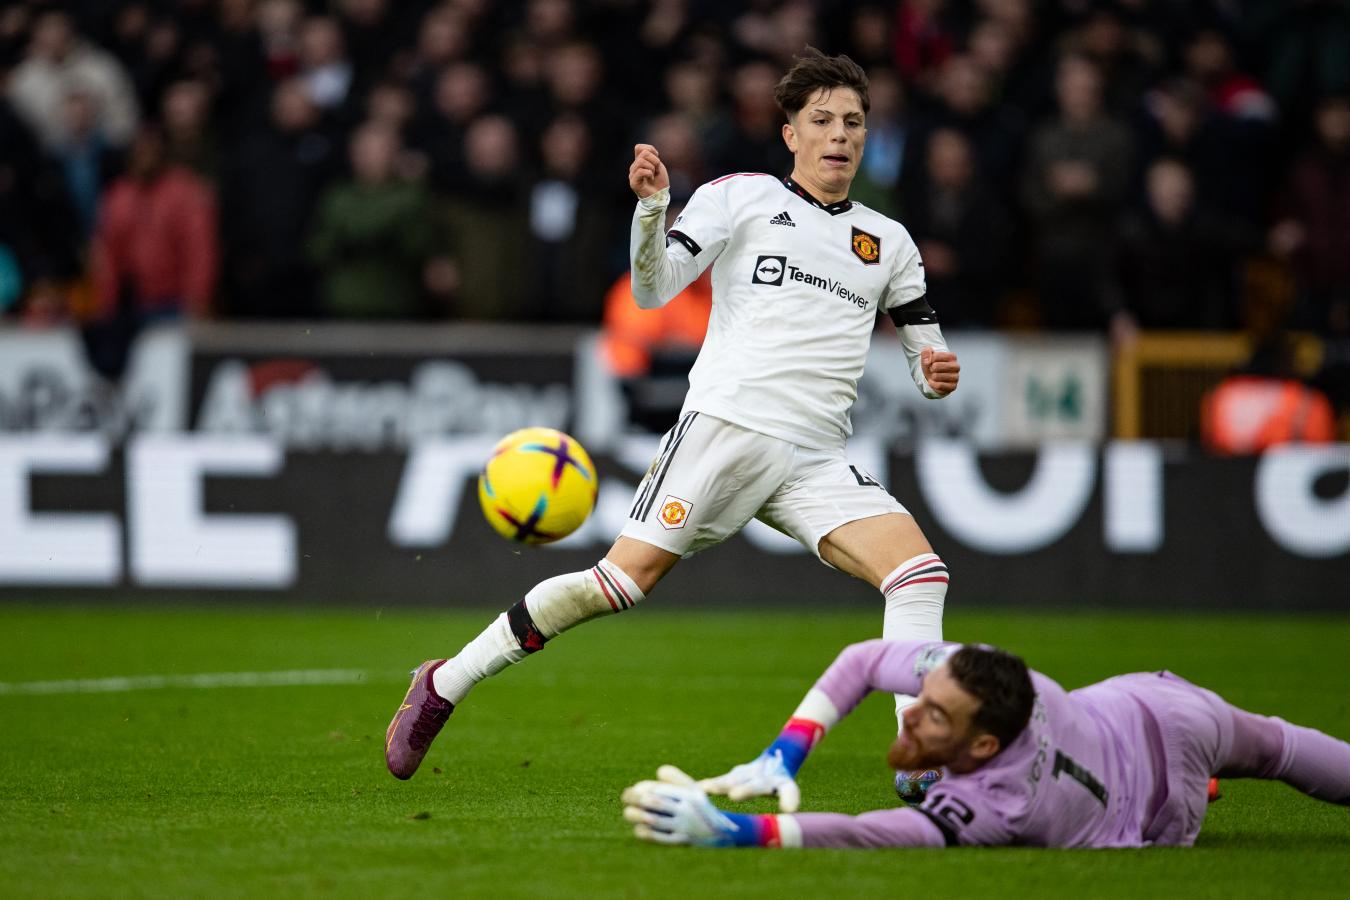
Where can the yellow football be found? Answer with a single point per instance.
(538, 486)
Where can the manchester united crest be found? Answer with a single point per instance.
(674, 512)
(866, 247)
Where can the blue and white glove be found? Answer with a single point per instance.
(765, 776)
(674, 810)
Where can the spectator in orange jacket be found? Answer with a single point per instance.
(632, 336)
(156, 249)
(650, 350)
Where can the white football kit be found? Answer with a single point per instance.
(797, 286)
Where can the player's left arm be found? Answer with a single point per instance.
(933, 366)
(896, 667)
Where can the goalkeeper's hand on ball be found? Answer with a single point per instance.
(764, 776)
(674, 810)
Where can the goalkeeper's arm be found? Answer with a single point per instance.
(673, 810)
(896, 667)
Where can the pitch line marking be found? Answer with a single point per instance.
(200, 680)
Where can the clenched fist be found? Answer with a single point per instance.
(940, 369)
(647, 174)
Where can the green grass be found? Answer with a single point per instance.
(281, 791)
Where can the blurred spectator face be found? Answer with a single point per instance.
(490, 147)
(279, 20)
(461, 92)
(1178, 106)
(374, 151)
(293, 112)
(1078, 88)
(692, 88)
(523, 62)
(1208, 56)
(574, 74)
(441, 39)
(991, 47)
(320, 43)
(1171, 191)
(963, 86)
(391, 104)
(163, 41)
(53, 37)
(236, 15)
(81, 115)
(1013, 15)
(565, 145)
(148, 155)
(675, 137)
(1104, 35)
(186, 107)
(365, 13)
(470, 10)
(131, 23)
(794, 27)
(886, 95)
(1333, 124)
(549, 21)
(950, 162)
(870, 31)
(752, 87)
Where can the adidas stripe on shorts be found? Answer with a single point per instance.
(712, 477)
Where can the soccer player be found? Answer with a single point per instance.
(799, 276)
(1125, 762)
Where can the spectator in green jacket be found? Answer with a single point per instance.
(370, 237)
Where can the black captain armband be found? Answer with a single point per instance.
(680, 237)
(915, 312)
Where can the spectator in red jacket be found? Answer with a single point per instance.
(156, 252)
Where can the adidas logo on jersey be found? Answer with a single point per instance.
(783, 219)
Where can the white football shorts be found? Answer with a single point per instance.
(711, 477)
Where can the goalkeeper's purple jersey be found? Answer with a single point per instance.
(1090, 770)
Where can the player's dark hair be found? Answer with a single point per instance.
(1002, 684)
(814, 71)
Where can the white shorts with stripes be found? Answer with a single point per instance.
(712, 477)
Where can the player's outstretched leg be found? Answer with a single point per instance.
(915, 592)
(1305, 758)
(550, 608)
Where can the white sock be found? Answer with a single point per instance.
(915, 594)
(549, 609)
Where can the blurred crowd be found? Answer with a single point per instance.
(1062, 164)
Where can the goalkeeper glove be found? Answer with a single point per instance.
(674, 810)
(774, 771)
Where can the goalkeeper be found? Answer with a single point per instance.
(1126, 762)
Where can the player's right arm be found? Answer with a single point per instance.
(896, 667)
(663, 264)
(672, 810)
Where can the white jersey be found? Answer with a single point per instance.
(797, 286)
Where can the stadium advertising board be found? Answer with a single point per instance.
(1128, 523)
(1015, 392)
(337, 465)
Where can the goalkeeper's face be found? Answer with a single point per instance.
(939, 729)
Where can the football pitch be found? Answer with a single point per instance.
(214, 751)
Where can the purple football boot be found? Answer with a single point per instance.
(419, 719)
